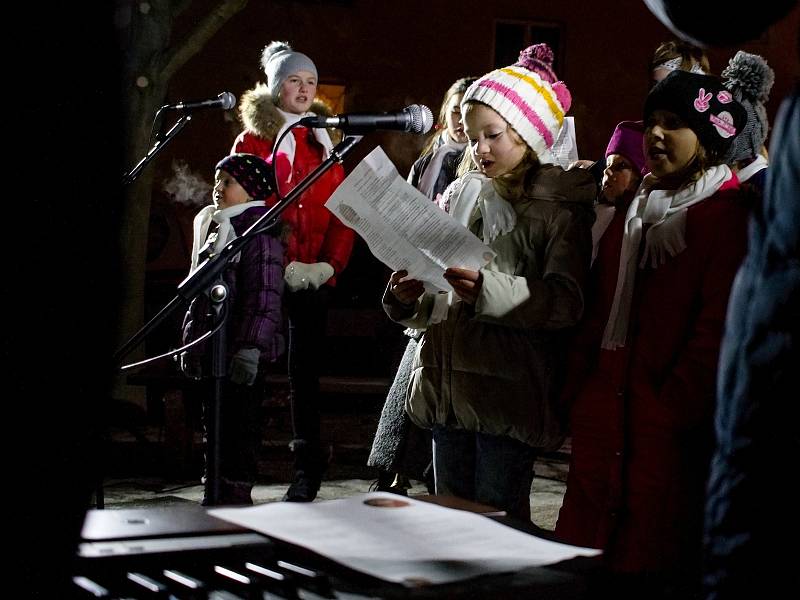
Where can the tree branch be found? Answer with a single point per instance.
(204, 31)
(178, 6)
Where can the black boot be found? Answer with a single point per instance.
(310, 463)
(231, 493)
(400, 485)
(383, 482)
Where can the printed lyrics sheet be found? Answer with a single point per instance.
(403, 228)
(402, 539)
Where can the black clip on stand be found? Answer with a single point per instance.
(208, 277)
(129, 177)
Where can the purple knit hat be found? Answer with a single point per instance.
(251, 172)
(627, 141)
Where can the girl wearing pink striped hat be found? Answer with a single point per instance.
(485, 378)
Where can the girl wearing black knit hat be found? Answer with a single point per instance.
(253, 320)
(643, 391)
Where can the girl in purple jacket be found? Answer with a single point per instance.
(254, 278)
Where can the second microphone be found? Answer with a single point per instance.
(416, 118)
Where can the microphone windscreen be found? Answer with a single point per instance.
(421, 118)
(228, 100)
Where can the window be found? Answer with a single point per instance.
(332, 95)
(511, 37)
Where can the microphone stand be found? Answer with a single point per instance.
(207, 277)
(129, 177)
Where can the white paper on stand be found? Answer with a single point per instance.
(403, 228)
(565, 148)
(402, 540)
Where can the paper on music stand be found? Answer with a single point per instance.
(402, 540)
(403, 228)
(565, 148)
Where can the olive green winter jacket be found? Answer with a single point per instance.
(495, 367)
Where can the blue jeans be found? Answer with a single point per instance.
(491, 469)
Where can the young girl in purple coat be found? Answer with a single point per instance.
(254, 279)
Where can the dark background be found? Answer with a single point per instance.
(62, 161)
(391, 54)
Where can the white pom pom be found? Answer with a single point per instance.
(271, 50)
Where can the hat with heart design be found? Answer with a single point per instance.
(251, 172)
(706, 106)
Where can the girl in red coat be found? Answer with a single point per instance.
(318, 244)
(643, 371)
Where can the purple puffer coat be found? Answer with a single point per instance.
(255, 288)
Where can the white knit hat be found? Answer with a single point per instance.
(527, 96)
(279, 61)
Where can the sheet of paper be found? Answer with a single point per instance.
(403, 228)
(565, 148)
(402, 540)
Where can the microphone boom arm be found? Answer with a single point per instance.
(208, 271)
(131, 176)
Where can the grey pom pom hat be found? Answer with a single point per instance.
(279, 61)
(749, 79)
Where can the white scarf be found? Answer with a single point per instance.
(665, 210)
(759, 164)
(444, 146)
(225, 233)
(604, 214)
(498, 215)
(477, 190)
(289, 145)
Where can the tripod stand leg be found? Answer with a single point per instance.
(99, 498)
(212, 484)
(219, 370)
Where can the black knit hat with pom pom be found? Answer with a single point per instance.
(251, 171)
(704, 104)
(749, 79)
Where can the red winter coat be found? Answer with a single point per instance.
(641, 415)
(315, 234)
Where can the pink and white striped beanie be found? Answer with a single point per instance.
(528, 96)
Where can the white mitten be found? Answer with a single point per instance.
(301, 276)
(318, 274)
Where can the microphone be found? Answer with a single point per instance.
(225, 101)
(416, 118)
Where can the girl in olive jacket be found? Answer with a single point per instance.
(485, 376)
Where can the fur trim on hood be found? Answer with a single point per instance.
(261, 117)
